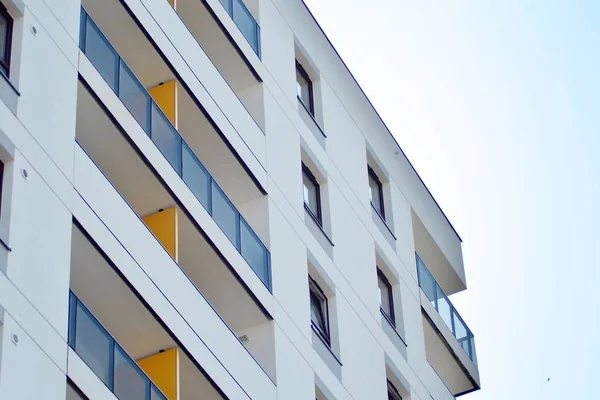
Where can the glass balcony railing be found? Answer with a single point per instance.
(246, 23)
(444, 307)
(179, 154)
(101, 352)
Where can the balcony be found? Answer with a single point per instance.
(157, 118)
(116, 336)
(452, 351)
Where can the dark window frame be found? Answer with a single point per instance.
(385, 280)
(393, 393)
(2, 170)
(373, 175)
(5, 64)
(319, 295)
(310, 107)
(319, 216)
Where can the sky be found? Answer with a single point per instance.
(497, 105)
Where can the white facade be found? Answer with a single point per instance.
(111, 203)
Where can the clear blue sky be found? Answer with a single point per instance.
(497, 104)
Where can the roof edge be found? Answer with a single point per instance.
(382, 121)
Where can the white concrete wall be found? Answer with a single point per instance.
(352, 130)
(37, 132)
(24, 360)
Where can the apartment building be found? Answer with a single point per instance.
(199, 202)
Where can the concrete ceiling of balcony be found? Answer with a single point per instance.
(450, 277)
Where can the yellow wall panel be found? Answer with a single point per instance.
(163, 370)
(165, 96)
(164, 226)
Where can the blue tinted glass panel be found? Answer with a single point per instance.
(93, 344)
(224, 214)
(445, 311)
(155, 394)
(473, 353)
(465, 345)
(166, 138)
(101, 54)
(134, 96)
(227, 5)
(72, 318)
(195, 176)
(246, 23)
(427, 282)
(460, 328)
(130, 383)
(254, 252)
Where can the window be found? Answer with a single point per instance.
(386, 299)
(6, 25)
(312, 195)
(304, 89)
(376, 193)
(318, 311)
(393, 393)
